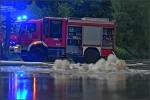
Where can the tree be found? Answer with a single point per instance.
(64, 10)
(101, 9)
(49, 8)
(78, 8)
(132, 19)
(19, 5)
(33, 12)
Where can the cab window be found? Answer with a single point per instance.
(29, 27)
(56, 29)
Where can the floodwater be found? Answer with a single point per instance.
(112, 79)
(29, 85)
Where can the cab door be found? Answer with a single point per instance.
(54, 36)
(57, 33)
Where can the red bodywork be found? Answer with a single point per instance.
(26, 39)
(56, 42)
(104, 52)
(15, 37)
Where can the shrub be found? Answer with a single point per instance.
(122, 53)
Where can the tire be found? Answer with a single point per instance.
(91, 56)
(37, 55)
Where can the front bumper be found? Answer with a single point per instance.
(15, 49)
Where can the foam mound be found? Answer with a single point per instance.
(61, 64)
(111, 64)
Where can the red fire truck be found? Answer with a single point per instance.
(83, 39)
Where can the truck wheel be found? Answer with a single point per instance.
(91, 56)
(37, 55)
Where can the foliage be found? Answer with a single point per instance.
(74, 8)
(101, 9)
(21, 5)
(64, 10)
(33, 11)
(132, 32)
(122, 53)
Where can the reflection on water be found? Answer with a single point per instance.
(21, 88)
(34, 87)
(18, 86)
(86, 87)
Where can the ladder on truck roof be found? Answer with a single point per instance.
(74, 18)
(84, 18)
(95, 19)
(89, 19)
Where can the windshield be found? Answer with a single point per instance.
(15, 28)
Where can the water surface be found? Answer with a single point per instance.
(91, 86)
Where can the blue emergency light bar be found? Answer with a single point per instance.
(24, 17)
(19, 18)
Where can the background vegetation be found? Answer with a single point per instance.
(132, 20)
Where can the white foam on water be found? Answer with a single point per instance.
(111, 65)
(61, 65)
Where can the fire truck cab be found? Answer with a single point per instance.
(84, 39)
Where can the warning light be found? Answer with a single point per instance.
(19, 18)
(24, 17)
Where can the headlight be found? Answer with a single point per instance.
(16, 47)
(12, 42)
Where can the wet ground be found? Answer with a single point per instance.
(27, 84)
